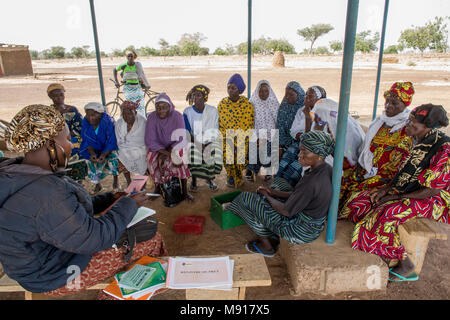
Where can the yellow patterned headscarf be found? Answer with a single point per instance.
(54, 86)
(403, 90)
(202, 89)
(32, 127)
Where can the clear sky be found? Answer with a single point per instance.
(45, 23)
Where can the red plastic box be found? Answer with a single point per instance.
(189, 224)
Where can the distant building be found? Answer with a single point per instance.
(15, 60)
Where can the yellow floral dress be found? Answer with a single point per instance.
(238, 116)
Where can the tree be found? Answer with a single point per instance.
(336, 46)
(393, 49)
(148, 51)
(365, 43)
(80, 52)
(416, 39)
(164, 46)
(438, 34)
(230, 49)
(57, 52)
(197, 38)
(280, 45)
(314, 32)
(220, 52)
(321, 50)
(34, 54)
(433, 36)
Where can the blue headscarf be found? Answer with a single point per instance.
(294, 85)
(237, 80)
(287, 112)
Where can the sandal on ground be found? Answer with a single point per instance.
(213, 186)
(230, 182)
(250, 176)
(412, 277)
(251, 247)
(193, 188)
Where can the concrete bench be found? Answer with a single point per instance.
(250, 270)
(415, 236)
(328, 269)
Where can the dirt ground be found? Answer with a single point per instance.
(434, 282)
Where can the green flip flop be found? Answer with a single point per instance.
(412, 277)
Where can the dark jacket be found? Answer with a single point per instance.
(47, 225)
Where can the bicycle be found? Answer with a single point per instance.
(113, 107)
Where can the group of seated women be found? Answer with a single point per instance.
(397, 171)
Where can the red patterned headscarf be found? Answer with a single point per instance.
(402, 90)
(130, 105)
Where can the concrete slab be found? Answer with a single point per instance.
(322, 268)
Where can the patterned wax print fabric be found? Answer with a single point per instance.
(237, 116)
(403, 90)
(99, 171)
(74, 120)
(134, 92)
(168, 169)
(286, 114)
(105, 264)
(376, 230)
(390, 150)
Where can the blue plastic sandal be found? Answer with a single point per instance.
(412, 277)
(268, 255)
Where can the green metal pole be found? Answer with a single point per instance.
(380, 58)
(249, 50)
(344, 99)
(97, 52)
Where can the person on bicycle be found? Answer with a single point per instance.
(133, 80)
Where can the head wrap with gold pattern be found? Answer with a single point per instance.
(32, 127)
(54, 86)
(403, 90)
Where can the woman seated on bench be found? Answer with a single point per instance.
(419, 189)
(297, 215)
(48, 234)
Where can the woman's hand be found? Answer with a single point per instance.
(101, 159)
(139, 198)
(319, 124)
(93, 158)
(384, 199)
(265, 191)
(377, 194)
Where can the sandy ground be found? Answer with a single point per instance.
(178, 76)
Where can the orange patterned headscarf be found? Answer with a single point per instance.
(402, 90)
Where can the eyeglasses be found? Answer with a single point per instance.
(321, 123)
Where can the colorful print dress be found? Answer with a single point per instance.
(376, 231)
(234, 116)
(390, 151)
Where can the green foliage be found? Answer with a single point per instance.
(280, 45)
(34, 54)
(57, 52)
(230, 49)
(266, 46)
(174, 51)
(220, 52)
(314, 32)
(366, 43)
(336, 45)
(393, 49)
(433, 36)
(80, 52)
(148, 51)
(321, 50)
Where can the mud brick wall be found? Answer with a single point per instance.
(15, 62)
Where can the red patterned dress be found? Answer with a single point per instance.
(389, 152)
(376, 230)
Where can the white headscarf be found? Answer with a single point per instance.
(327, 110)
(396, 123)
(96, 106)
(266, 111)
